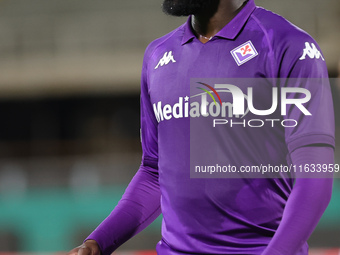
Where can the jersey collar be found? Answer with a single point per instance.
(230, 31)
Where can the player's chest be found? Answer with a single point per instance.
(172, 70)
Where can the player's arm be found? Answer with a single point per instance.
(309, 142)
(306, 203)
(139, 207)
(140, 204)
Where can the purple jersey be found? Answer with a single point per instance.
(227, 216)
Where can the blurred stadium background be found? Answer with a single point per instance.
(69, 109)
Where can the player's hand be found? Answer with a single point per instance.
(90, 247)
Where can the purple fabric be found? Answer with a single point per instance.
(139, 206)
(305, 206)
(222, 216)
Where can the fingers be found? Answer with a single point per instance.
(90, 247)
(83, 250)
(73, 252)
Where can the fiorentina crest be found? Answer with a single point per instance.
(244, 53)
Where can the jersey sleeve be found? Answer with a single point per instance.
(149, 124)
(306, 98)
(140, 203)
(305, 206)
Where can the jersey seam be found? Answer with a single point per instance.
(267, 39)
(310, 134)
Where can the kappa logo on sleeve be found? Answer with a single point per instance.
(166, 59)
(311, 51)
(244, 53)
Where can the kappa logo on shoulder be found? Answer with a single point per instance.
(311, 51)
(166, 59)
(244, 53)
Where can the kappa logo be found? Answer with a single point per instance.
(311, 51)
(167, 57)
(244, 53)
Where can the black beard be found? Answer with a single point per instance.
(188, 7)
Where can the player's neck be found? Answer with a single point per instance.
(210, 22)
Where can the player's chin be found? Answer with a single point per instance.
(188, 7)
(182, 7)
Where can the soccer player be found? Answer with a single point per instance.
(268, 216)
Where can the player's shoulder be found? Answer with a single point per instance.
(279, 31)
(290, 46)
(164, 41)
